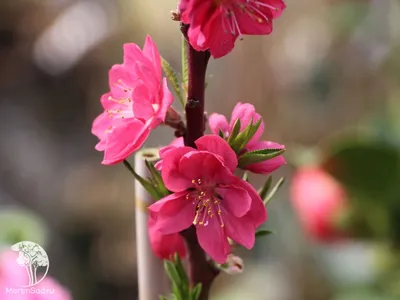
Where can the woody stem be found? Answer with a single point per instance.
(199, 270)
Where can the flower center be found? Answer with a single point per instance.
(206, 203)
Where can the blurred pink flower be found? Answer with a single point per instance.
(12, 276)
(246, 112)
(216, 24)
(317, 199)
(165, 245)
(137, 103)
(207, 194)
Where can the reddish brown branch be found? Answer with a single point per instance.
(200, 270)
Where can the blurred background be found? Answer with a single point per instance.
(327, 84)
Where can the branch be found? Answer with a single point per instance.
(200, 270)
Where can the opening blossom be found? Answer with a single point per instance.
(246, 112)
(207, 194)
(216, 24)
(317, 199)
(137, 103)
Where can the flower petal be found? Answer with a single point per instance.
(240, 230)
(150, 50)
(217, 145)
(218, 122)
(172, 213)
(123, 140)
(174, 180)
(235, 199)
(213, 240)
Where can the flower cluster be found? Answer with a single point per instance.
(200, 183)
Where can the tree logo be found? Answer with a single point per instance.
(35, 260)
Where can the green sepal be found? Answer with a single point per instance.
(173, 78)
(257, 156)
(271, 194)
(221, 134)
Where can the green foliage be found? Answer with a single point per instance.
(257, 156)
(238, 141)
(173, 78)
(181, 289)
(185, 67)
(267, 196)
(263, 232)
(153, 185)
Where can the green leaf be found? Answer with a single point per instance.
(147, 185)
(273, 191)
(264, 190)
(245, 136)
(185, 67)
(263, 232)
(196, 291)
(163, 298)
(182, 274)
(173, 79)
(157, 180)
(172, 272)
(235, 132)
(221, 134)
(257, 156)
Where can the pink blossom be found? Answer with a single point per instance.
(216, 24)
(207, 194)
(137, 103)
(246, 112)
(13, 276)
(165, 245)
(317, 199)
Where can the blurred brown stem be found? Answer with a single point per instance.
(200, 270)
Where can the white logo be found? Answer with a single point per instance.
(35, 260)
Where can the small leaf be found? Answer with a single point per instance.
(157, 180)
(257, 156)
(163, 298)
(221, 134)
(274, 190)
(263, 232)
(147, 185)
(173, 79)
(172, 272)
(196, 291)
(245, 136)
(264, 190)
(235, 132)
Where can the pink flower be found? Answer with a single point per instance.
(207, 194)
(13, 276)
(317, 198)
(137, 103)
(165, 245)
(246, 112)
(216, 24)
